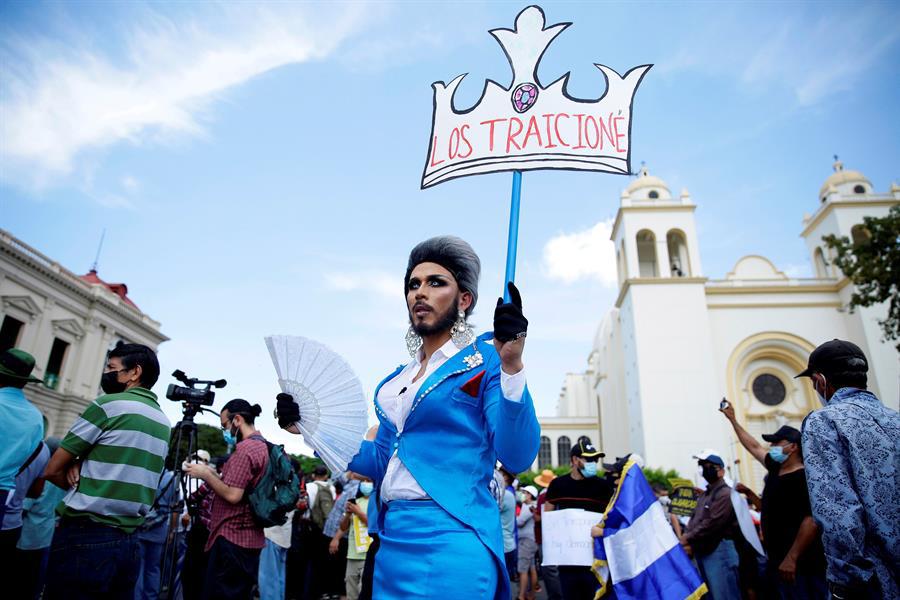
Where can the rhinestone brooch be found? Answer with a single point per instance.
(473, 360)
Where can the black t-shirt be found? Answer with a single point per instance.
(590, 493)
(785, 503)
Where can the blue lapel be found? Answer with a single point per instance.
(465, 360)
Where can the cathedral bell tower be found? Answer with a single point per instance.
(664, 323)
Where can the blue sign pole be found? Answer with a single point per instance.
(513, 232)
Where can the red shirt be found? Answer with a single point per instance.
(234, 522)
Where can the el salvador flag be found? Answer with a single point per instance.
(639, 550)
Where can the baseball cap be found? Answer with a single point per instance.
(203, 455)
(785, 433)
(711, 458)
(585, 449)
(835, 356)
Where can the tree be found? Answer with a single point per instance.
(209, 438)
(872, 263)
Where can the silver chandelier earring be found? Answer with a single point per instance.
(461, 334)
(413, 341)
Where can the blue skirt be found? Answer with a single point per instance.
(427, 553)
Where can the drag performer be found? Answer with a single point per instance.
(444, 420)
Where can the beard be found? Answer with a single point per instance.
(443, 323)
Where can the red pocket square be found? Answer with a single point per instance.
(471, 386)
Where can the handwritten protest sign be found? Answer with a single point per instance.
(683, 497)
(567, 538)
(528, 125)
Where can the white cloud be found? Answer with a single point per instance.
(812, 56)
(587, 254)
(130, 184)
(61, 99)
(380, 282)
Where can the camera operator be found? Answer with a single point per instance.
(113, 456)
(235, 539)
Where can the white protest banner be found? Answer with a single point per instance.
(528, 125)
(566, 536)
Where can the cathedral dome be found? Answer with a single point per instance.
(648, 187)
(845, 182)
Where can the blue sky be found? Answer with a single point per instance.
(256, 166)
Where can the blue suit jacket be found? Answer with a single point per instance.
(453, 436)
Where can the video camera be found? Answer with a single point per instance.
(191, 394)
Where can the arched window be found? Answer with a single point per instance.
(678, 254)
(646, 249)
(821, 264)
(653, 195)
(858, 189)
(545, 458)
(563, 448)
(860, 234)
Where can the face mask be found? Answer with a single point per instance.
(366, 487)
(664, 500)
(229, 438)
(110, 384)
(520, 497)
(710, 473)
(590, 469)
(777, 454)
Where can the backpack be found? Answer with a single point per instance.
(277, 491)
(322, 506)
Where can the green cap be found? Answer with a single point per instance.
(17, 364)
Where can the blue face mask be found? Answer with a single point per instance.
(777, 454)
(590, 469)
(366, 487)
(229, 437)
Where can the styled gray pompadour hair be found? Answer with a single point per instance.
(455, 255)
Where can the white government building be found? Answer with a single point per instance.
(676, 342)
(68, 322)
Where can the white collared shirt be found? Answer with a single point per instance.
(396, 398)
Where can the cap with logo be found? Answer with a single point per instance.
(585, 449)
(836, 356)
(17, 365)
(785, 433)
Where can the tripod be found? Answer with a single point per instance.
(184, 432)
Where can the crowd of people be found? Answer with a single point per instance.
(431, 506)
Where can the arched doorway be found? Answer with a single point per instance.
(764, 393)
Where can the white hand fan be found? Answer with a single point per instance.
(333, 413)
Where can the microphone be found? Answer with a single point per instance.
(403, 391)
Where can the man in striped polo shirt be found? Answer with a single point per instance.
(110, 461)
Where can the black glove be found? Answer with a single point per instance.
(287, 411)
(509, 322)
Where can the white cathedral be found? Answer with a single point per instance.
(676, 342)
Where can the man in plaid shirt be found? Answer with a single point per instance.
(235, 540)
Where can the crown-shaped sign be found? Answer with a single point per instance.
(529, 126)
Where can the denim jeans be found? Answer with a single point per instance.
(272, 564)
(147, 585)
(89, 560)
(719, 570)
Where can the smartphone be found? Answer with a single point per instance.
(724, 404)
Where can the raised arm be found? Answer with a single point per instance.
(747, 441)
